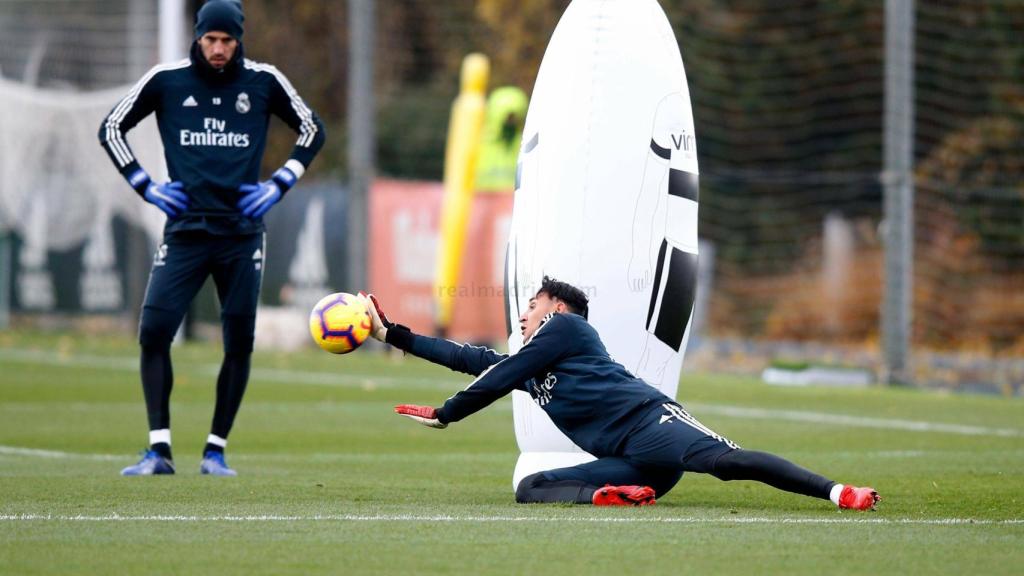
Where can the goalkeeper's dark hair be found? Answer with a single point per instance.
(573, 297)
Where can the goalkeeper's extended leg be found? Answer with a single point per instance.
(772, 470)
(780, 473)
(671, 437)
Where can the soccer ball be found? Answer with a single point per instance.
(339, 323)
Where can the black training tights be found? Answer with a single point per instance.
(234, 375)
(774, 471)
(578, 483)
(158, 380)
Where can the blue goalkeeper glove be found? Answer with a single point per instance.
(169, 196)
(258, 199)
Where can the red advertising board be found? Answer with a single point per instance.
(404, 243)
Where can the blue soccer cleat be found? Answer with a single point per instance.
(151, 464)
(214, 465)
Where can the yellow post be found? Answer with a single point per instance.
(460, 162)
(499, 144)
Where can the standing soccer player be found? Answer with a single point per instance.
(643, 440)
(213, 110)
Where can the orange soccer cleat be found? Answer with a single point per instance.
(624, 496)
(854, 498)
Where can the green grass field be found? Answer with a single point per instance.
(331, 481)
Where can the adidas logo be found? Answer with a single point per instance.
(190, 102)
(257, 255)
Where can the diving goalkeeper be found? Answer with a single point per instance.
(643, 440)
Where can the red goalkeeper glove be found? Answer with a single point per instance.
(425, 415)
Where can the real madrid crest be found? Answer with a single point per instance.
(242, 105)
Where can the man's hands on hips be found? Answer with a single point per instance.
(425, 415)
(169, 197)
(258, 199)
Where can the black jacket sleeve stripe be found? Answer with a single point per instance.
(308, 128)
(112, 133)
(464, 358)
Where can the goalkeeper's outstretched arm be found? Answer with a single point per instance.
(472, 360)
(547, 347)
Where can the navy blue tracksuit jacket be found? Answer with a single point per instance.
(567, 371)
(213, 124)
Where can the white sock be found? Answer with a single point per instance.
(217, 441)
(160, 436)
(833, 495)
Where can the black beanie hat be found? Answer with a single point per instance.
(221, 16)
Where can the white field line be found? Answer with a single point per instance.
(503, 519)
(318, 457)
(17, 451)
(855, 421)
(367, 381)
(131, 364)
(58, 455)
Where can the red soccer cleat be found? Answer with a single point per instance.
(624, 496)
(854, 498)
